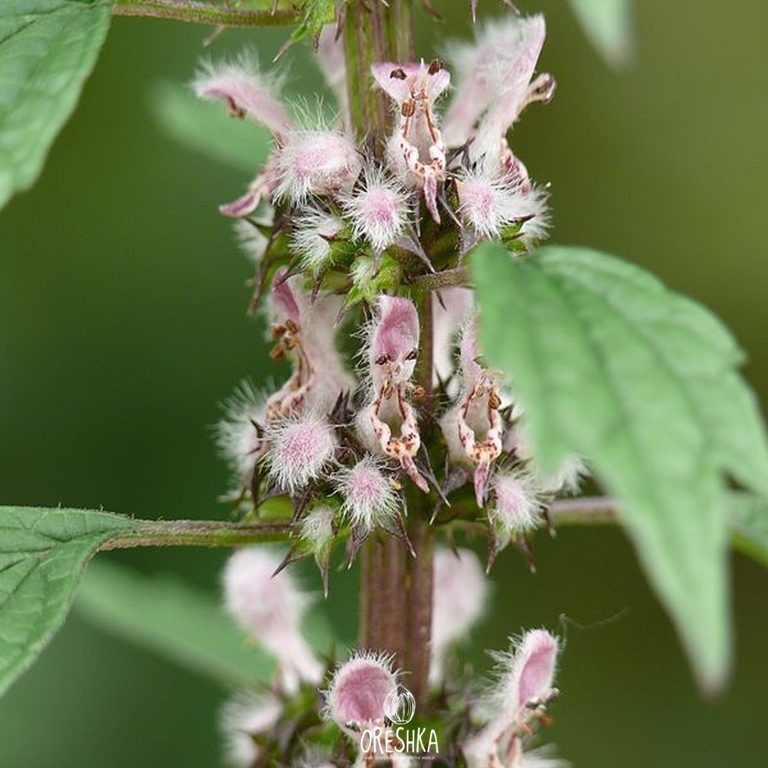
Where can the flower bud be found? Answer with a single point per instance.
(368, 498)
(357, 691)
(299, 448)
(315, 163)
(312, 238)
(516, 508)
(379, 211)
(238, 435)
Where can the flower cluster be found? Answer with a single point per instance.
(351, 234)
(359, 248)
(496, 729)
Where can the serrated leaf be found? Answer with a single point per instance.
(611, 365)
(42, 555)
(47, 49)
(749, 525)
(608, 26)
(173, 619)
(186, 625)
(206, 128)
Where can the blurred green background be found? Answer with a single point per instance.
(122, 325)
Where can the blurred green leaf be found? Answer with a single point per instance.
(42, 555)
(174, 620)
(47, 49)
(186, 625)
(611, 365)
(608, 25)
(749, 525)
(206, 128)
(315, 14)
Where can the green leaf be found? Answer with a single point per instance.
(47, 49)
(611, 365)
(185, 625)
(174, 620)
(749, 525)
(315, 14)
(608, 25)
(42, 555)
(206, 128)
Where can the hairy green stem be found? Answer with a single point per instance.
(460, 276)
(204, 13)
(198, 533)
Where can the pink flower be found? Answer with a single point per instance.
(358, 688)
(238, 434)
(494, 84)
(459, 597)
(315, 162)
(368, 498)
(299, 448)
(449, 315)
(489, 203)
(521, 693)
(389, 424)
(270, 609)
(415, 152)
(304, 331)
(246, 91)
(473, 427)
(379, 211)
(516, 507)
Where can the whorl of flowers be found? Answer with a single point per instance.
(352, 258)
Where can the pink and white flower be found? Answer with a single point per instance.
(389, 424)
(270, 608)
(379, 211)
(416, 152)
(369, 499)
(473, 428)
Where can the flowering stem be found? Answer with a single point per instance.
(198, 533)
(204, 13)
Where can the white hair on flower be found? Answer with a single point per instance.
(379, 211)
(415, 151)
(270, 608)
(242, 718)
(516, 504)
(490, 202)
(522, 689)
(312, 235)
(251, 240)
(389, 425)
(317, 527)
(315, 162)
(247, 91)
(368, 497)
(300, 447)
(473, 428)
(238, 435)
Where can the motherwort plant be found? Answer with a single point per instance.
(445, 380)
